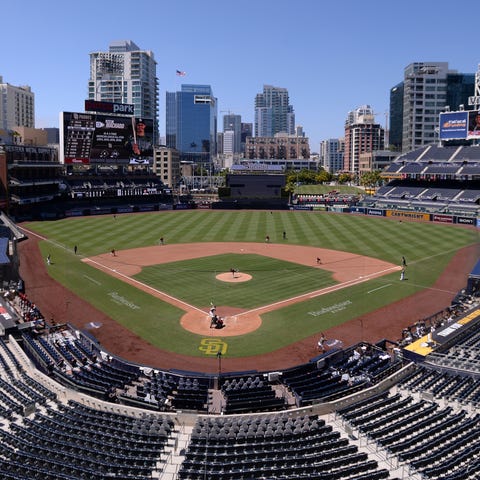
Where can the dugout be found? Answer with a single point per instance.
(473, 282)
(5, 265)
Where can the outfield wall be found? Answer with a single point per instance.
(398, 214)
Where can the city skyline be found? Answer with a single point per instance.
(331, 58)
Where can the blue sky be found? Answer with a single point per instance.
(332, 56)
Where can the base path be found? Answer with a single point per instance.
(56, 301)
(347, 268)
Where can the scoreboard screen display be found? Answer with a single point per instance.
(90, 138)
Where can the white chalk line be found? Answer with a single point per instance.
(174, 300)
(323, 291)
(92, 280)
(379, 288)
(292, 299)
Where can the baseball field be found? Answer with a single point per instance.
(318, 272)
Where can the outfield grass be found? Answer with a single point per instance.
(428, 248)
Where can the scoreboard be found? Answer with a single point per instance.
(92, 138)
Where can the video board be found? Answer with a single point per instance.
(90, 138)
(463, 125)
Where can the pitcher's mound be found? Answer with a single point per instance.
(237, 278)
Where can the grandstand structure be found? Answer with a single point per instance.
(72, 410)
(442, 180)
(35, 186)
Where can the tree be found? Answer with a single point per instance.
(323, 177)
(345, 177)
(370, 179)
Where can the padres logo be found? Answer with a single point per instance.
(213, 346)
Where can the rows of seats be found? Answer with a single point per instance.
(7, 358)
(310, 448)
(273, 446)
(398, 191)
(163, 391)
(433, 180)
(81, 442)
(152, 392)
(107, 378)
(251, 394)
(356, 368)
(418, 433)
(190, 393)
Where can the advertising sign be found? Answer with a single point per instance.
(90, 138)
(410, 215)
(465, 220)
(109, 107)
(453, 125)
(375, 211)
(357, 210)
(473, 124)
(442, 218)
(460, 125)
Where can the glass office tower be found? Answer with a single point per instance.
(191, 123)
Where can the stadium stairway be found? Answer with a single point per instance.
(175, 454)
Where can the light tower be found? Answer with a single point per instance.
(475, 100)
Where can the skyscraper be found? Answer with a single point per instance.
(331, 154)
(247, 130)
(396, 117)
(273, 112)
(427, 89)
(228, 142)
(17, 106)
(126, 74)
(362, 135)
(191, 122)
(232, 122)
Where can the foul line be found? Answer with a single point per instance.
(323, 291)
(297, 299)
(133, 281)
(379, 288)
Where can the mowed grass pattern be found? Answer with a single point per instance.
(428, 248)
(195, 282)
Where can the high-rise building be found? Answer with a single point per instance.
(191, 123)
(233, 123)
(396, 118)
(331, 154)
(279, 147)
(247, 131)
(428, 88)
(362, 135)
(126, 74)
(299, 131)
(273, 112)
(229, 142)
(17, 106)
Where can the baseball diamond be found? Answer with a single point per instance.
(294, 347)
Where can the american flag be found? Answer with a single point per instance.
(180, 73)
